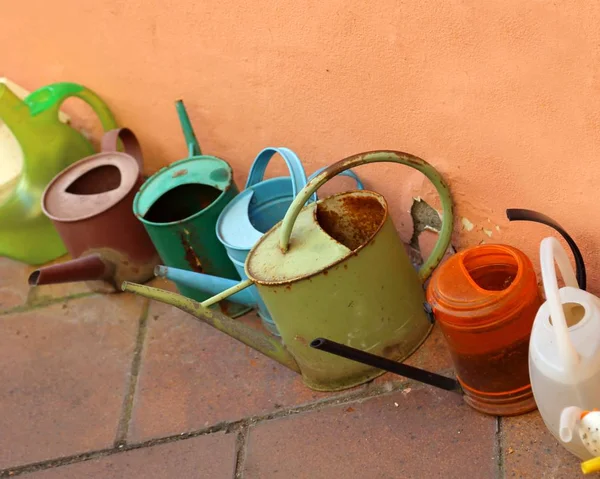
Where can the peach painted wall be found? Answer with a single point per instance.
(502, 96)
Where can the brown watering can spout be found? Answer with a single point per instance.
(269, 346)
(87, 268)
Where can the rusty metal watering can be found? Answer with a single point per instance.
(89, 204)
(179, 206)
(253, 212)
(485, 299)
(334, 268)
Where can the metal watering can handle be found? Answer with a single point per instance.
(350, 173)
(131, 144)
(551, 251)
(188, 131)
(377, 157)
(259, 166)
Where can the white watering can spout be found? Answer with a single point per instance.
(568, 420)
(551, 251)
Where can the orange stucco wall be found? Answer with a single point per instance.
(502, 96)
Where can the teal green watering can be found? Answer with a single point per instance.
(335, 268)
(245, 219)
(179, 206)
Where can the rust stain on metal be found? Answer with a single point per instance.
(179, 173)
(300, 339)
(361, 219)
(190, 256)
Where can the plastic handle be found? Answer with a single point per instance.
(131, 145)
(519, 214)
(52, 96)
(551, 251)
(188, 131)
(350, 173)
(377, 157)
(259, 166)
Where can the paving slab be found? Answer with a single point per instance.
(65, 371)
(192, 376)
(15, 292)
(530, 451)
(204, 457)
(424, 433)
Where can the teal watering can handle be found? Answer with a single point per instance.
(52, 96)
(377, 157)
(259, 166)
(350, 173)
(188, 131)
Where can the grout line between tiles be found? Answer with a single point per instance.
(127, 408)
(22, 308)
(240, 451)
(499, 450)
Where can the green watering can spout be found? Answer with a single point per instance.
(269, 346)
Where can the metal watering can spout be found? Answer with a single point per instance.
(205, 282)
(87, 268)
(379, 362)
(269, 346)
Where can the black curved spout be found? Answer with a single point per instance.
(518, 214)
(385, 364)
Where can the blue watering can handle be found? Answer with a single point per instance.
(350, 173)
(259, 166)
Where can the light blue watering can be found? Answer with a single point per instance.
(253, 212)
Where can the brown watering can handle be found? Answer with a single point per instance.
(131, 145)
(377, 157)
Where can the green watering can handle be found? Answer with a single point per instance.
(52, 96)
(188, 131)
(376, 157)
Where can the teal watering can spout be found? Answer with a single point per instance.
(212, 285)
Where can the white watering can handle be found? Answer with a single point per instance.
(377, 157)
(551, 251)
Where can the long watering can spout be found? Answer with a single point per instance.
(86, 268)
(206, 283)
(386, 364)
(264, 344)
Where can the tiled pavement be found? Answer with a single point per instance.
(111, 386)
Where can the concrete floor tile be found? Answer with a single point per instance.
(65, 370)
(530, 451)
(425, 433)
(204, 457)
(193, 376)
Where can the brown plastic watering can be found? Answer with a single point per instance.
(90, 205)
(335, 268)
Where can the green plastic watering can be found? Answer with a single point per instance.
(336, 269)
(48, 146)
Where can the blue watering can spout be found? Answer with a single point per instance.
(212, 285)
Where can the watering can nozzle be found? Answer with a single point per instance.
(86, 268)
(386, 364)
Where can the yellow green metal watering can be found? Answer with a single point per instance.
(48, 146)
(337, 269)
